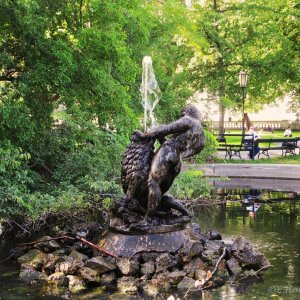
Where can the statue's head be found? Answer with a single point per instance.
(191, 111)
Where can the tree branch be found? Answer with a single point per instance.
(70, 238)
(209, 275)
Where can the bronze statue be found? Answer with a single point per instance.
(148, 175)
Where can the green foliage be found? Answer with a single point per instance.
(60, 199)
(15, 120)
(247, 35)
(15, 179)
(81, 57)
(226, 102)
(209, 151)
(70, 73)
(107, 202)
(94, 164)
(191, 185)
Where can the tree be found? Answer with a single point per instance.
(289, 22)
(83, 56)
(241, 36)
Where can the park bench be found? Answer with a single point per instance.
(286, 145)
(234, 149)
(222, 145)
(245, 145)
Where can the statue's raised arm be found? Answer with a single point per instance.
(179, 126)
(187, 139)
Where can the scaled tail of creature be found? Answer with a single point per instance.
(136, 164)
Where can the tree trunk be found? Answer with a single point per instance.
(220, 70)
(221, 118)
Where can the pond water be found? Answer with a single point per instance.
(269, 220)
(273, 227)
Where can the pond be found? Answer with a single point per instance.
(272, 223)
(270, 220)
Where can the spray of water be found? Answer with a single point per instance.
(150, 92)
(188, 3)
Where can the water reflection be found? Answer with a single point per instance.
(271, 221)
(251, 203)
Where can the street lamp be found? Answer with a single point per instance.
(243, 76)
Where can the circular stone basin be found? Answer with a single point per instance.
(127, 245)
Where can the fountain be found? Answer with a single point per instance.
(151, 232)
(150, 92)
(150, 243)
(146, 218)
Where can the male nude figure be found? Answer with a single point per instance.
(187, 139)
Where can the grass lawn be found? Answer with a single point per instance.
(291, 159)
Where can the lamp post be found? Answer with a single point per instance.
(243, 76)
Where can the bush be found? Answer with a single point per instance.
(16, 122)
(15, 179)
(209, 151)
(93, 166)
(63, 171)
(191, 185)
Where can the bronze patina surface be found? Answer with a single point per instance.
(148, 174)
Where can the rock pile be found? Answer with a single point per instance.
(72, 266)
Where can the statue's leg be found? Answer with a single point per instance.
(154, 197)
(170, 202)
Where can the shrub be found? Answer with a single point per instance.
(191, 185)
(15, 179)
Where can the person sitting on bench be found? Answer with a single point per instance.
(288, 132)
(253, 142)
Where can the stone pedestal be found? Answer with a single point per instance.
(127, 245)
(149, 263)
